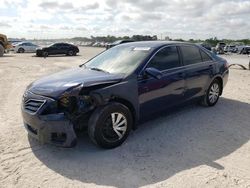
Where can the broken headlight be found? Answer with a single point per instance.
(68, 102)
(74, 100)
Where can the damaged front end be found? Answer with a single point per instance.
(55, 121)
(77, 104)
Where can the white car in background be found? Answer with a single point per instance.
(25, 47)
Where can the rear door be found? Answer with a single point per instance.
(29, 47)
(25, 46)
(199, 68)
(158, 94)
(65, 48)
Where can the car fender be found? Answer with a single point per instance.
(126, 90)
(211, 80)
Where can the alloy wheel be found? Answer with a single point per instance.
(214, 93)
(71, 53)
(115, 127)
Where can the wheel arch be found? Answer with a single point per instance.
(129, 105)
(220, 79)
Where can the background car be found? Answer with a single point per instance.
(58, 48)
(245, 50)
(220, 47)
(25, 47)
(230, 48)
(117, 43)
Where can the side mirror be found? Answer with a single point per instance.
(155, 73)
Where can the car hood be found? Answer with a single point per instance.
(42, 48)
(56, 84)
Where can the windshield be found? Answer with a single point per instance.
(52, 45)
(120, 59)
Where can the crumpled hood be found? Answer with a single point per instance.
(54, 85)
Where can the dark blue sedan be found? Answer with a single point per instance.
(110, 93)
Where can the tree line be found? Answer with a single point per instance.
(110, 39)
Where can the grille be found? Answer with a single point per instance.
(33, 105)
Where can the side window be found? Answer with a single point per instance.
(166, 58)
(205, 57)
(191, 55)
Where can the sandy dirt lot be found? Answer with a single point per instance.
(191, 147)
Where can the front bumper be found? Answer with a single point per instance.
(39, 53)
(225, 77)
(52, 128)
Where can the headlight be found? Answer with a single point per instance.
(74, 100)
(69, 97)
(64, 101)
(68, 103)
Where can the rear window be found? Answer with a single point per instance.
(205, 57)
(191, 55)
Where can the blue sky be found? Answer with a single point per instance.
(174, 18)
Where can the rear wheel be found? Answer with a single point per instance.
(1, 50)
(109, 126)
(70, 53)
(21, 50)
(213, 94)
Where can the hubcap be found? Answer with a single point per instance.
(214, 93)
(119, 124)
(115, 127)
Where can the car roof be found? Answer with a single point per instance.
(155, 44)
(24, 42)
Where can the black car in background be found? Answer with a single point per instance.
(118, 42)
(245, 50)
(58, 48)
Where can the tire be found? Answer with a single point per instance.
(101, 126)
(70, 53)
(20, 50)
(1, 50)
(45, 54)
(212, 94)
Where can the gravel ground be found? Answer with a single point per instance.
(191, 147)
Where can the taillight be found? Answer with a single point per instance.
(226, 64)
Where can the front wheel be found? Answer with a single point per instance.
(109, 126)
(213, 94)
(45, 54)
(20, 50)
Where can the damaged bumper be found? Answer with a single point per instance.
(53, 128)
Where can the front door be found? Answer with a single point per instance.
(156, 95)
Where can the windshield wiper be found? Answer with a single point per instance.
(98, 69)
(83, 65)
